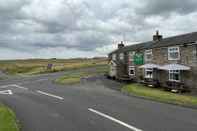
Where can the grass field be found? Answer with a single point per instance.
(74, 76)
(38, 66)
(160, 95)
(7, 120)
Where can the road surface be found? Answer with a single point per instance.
(42, 105)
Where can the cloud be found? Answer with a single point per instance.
(76, 28)
(166, 7)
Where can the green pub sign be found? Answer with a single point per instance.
(138, 59)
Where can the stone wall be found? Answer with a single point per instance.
(160, 57)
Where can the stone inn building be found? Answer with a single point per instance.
(167, 62)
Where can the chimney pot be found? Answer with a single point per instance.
(157, 37)
(121, 45)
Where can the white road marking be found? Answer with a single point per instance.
(48, 94)
(5, 92)
(114, 120)
(13, 85)
(21, 87)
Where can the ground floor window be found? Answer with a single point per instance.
(149, 73)
(174, 75)
(131, 70)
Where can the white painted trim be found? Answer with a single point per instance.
(179, 72)
(114, 120)
(145, 72)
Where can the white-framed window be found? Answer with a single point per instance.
(173, 53)
(148, 55)
(121, 56)
(114, 57)
(131, 70)
(131, 55)
(149, 73)
(194, 54)
(174, 75)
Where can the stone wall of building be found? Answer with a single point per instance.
(160, 57)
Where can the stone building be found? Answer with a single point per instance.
(168, 62)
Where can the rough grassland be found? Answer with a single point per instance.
(7, 120)
(39, 66)
(160, 95)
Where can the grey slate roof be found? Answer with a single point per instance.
(165, 42)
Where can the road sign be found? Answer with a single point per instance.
(6, 92)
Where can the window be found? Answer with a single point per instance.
(131, 70)
(194, 53)
(114, 57)
(131, 55)
(121, 56)
(149, 73)
(174, 75)
(173, 53)
(148, 55)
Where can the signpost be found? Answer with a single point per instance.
(49, 66)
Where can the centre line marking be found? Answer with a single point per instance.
(114, 120)
(48, 94)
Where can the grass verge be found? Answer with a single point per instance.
(74, 77)
(160, 95)
(7, 119)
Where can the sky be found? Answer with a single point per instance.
(87, 28)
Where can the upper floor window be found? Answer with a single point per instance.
(121, 56)
(174, 75)
(114, 57)
(131, 55)
(148, 55)
(173, 53)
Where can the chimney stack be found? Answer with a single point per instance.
(157, 37)
(120, 45)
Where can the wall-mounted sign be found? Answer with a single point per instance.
(138, 59)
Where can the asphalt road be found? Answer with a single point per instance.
(42, 105)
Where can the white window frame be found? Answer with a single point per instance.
(148, 52)
(145, 73)
(170, 50)
(113, 56)
(121, 56)
(194, 53)
(132, 68)
(174, 72)
(131, 55)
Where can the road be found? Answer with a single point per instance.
(42, 105)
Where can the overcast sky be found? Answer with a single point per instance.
(87, 28)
